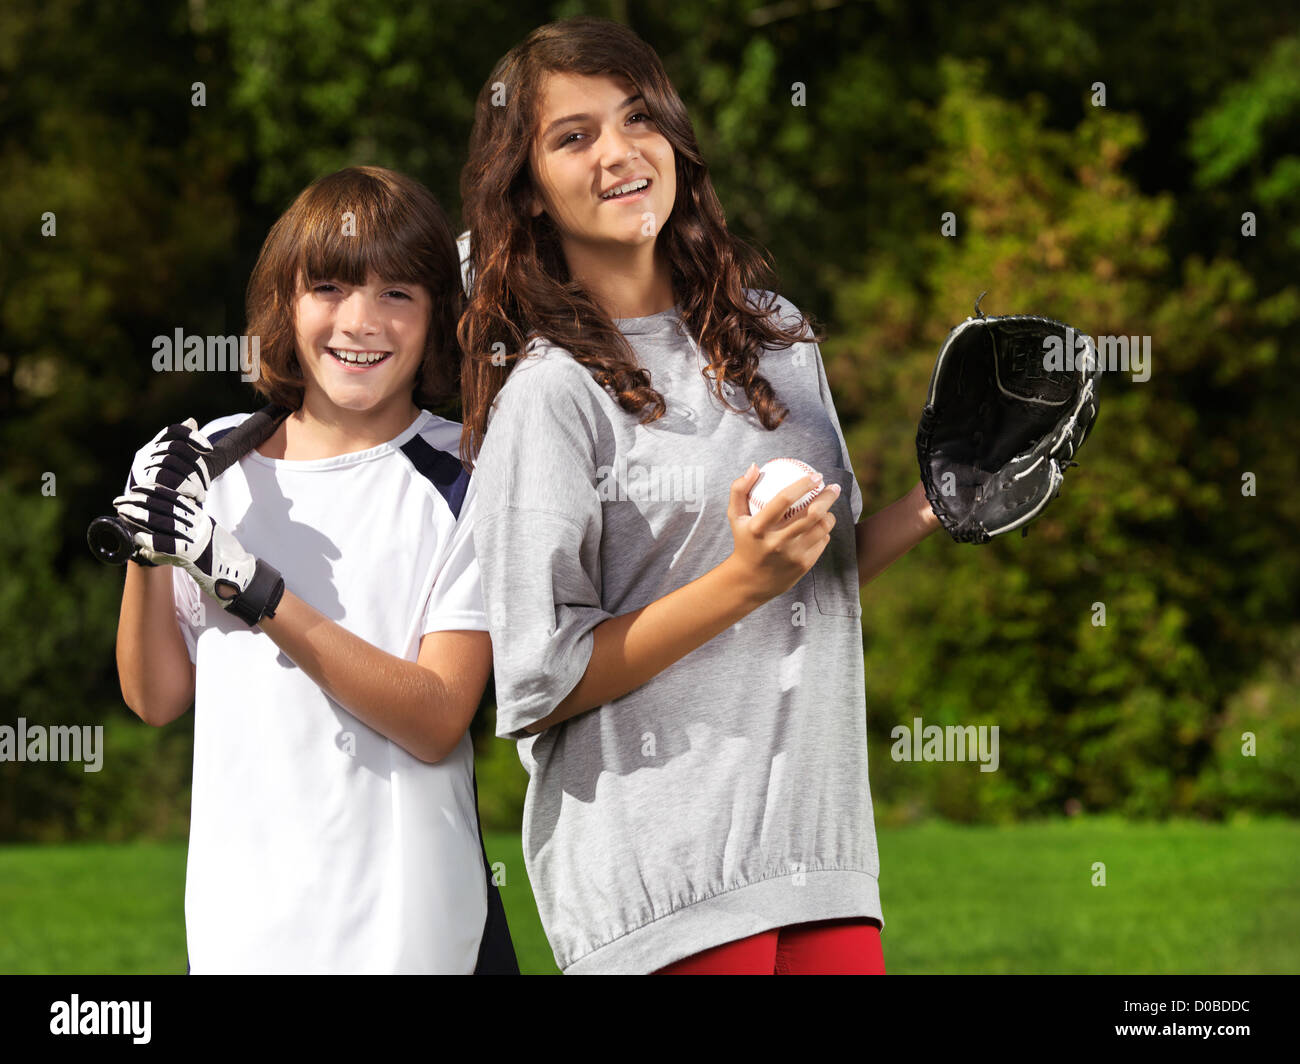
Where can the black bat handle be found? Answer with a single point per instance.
(112, 540)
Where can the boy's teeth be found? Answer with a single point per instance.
(358, 357)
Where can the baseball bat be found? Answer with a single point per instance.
(112, 540)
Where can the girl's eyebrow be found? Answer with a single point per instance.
(587, 117)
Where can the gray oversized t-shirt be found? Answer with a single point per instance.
(729, 794)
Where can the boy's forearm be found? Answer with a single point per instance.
(887, 535)
(631, 650)
(402, 700)
(153, 666)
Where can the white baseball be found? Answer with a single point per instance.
(774, 477)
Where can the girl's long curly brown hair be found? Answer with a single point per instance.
(520, 282)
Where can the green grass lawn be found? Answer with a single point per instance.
(1179, 898)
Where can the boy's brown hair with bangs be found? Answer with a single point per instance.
(343, 227)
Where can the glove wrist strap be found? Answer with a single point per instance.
(261, 597)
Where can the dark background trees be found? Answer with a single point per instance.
(1123, 219)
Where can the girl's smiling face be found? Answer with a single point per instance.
(361, 346)
(595, 136)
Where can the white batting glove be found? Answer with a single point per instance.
(174, 459)
(172, 530)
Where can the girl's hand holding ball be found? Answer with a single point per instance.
(779, 534)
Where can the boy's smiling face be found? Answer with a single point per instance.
(360, 346)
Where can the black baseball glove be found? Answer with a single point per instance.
(1007, 410)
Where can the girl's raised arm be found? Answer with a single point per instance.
(631, 650)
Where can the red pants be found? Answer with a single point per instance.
(827, 947)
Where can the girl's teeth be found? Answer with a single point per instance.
(631, 186)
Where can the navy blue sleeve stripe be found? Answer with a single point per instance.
(496, 949)
(443, 471)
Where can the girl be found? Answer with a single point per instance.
(338, 649)
(685, 682)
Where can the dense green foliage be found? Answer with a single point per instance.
(838, 136)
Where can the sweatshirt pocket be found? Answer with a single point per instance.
(835, 574)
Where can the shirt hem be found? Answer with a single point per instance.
(827, 894)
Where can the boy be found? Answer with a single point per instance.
(320, 605)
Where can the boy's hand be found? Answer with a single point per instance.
(172, 530)
(174, 459)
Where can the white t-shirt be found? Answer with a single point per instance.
(317, 845)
